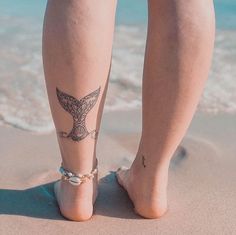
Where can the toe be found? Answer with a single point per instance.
(121, 175)
(122, 168)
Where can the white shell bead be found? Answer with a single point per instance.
(74, 180)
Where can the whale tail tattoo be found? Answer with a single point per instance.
(78, 109)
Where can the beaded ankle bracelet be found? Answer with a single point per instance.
(77, 179)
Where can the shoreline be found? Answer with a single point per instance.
(137, 111)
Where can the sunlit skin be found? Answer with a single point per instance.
(77, 46)
(77, 57)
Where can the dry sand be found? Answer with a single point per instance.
(202, 181)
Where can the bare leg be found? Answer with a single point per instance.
(177, 60)
(77, 45)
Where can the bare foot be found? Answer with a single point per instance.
(146, 189)
(76, 202)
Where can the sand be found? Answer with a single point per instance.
(202, 181)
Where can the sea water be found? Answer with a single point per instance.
(23, 98)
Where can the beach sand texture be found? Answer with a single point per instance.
(202, 181)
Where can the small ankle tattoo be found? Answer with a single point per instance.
(143, 161)
(78, 109)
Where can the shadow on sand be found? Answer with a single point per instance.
(40, 202)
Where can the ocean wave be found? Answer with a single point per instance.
(23, 98)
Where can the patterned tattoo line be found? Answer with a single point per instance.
(78, 109)
(143, 161)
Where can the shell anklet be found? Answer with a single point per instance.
(77, 179)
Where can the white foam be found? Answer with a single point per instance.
(23, 99)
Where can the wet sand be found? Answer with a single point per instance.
(202, 181)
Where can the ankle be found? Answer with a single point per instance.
(80, 167)
(146, 166)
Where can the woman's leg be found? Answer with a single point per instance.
(77, 46)
(177, 60)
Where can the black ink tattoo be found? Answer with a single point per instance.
(78, 109)
(143, 161)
